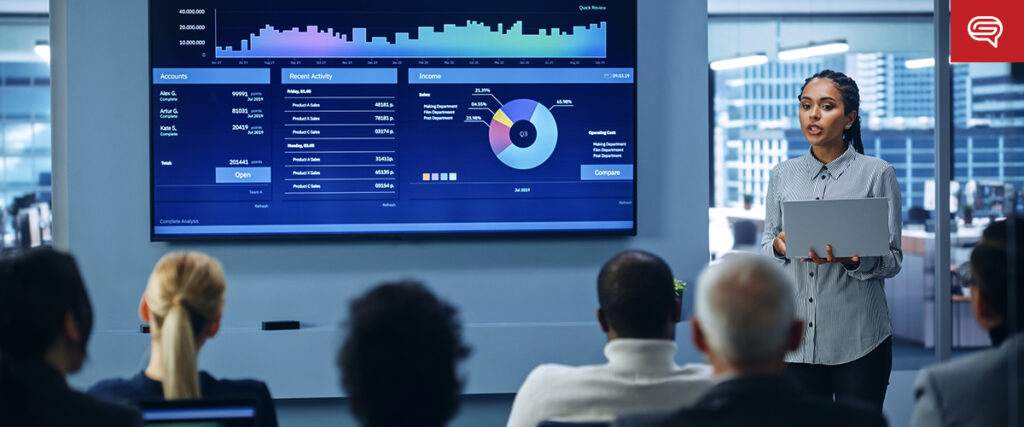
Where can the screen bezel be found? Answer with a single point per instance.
(154, 237)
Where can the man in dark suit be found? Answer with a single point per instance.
(975, 390)
(745, 324)
(45, 321)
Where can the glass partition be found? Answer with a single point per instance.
(755, 125)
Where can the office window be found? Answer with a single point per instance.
(25, 164)
(898, 121)
(988, 175)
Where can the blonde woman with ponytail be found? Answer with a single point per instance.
(183, 303)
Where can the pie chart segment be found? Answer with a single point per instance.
(530, 156)
(499, 134)
(501, 117)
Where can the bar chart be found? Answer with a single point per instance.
(474, 39)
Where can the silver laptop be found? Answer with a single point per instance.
(851, 226)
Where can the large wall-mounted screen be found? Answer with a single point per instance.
(345, 117)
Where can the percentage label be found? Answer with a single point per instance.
(474, 119)
(479, 104)
(564, 102)
(482, 90)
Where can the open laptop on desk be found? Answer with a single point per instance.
(851, 226)
(200, 413)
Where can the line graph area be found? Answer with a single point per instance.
(474, 39)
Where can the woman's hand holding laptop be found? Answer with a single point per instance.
(849, 262)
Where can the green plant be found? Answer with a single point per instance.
(680, 287)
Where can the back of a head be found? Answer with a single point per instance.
(636, 292)
(994, 267)
(746, 310)
(184, 294)
(37, 291)
(398, 362)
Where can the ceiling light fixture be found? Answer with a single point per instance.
(43, 50)
(919, 63)
(739, 62)
(828, 48)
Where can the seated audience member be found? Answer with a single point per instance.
(183, 302)
(638, 311)
(398, 362)
(45, 323)
(974, 390)
(745, 324)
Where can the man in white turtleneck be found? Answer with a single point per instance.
(638, 311)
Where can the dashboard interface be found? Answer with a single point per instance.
(392, 117)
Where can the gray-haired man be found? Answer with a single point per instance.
(745, 324)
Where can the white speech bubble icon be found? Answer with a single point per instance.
(986, 29)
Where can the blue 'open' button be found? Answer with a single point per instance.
(243, 175)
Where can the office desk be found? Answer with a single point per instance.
(911, 294)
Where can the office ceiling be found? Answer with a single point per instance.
(22, 24)
(18, 40)
(24, 6)
(811, 7)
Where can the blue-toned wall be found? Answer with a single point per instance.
(524, 301)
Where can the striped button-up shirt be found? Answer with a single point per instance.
(844, 310)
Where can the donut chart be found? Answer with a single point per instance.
(535, 153)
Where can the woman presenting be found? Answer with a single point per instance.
(847, 347)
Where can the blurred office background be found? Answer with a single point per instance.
(760, 52)
(25, 163)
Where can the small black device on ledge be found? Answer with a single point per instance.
(144, 328)
(280, 325)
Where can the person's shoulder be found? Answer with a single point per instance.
(973, 363)
(700, 371)
(554, 372)
(93, 411)
(555, 379)
(960, 375)
(223, 387)
(873, 163)
(118, 388)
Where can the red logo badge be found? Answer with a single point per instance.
(986, 31)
